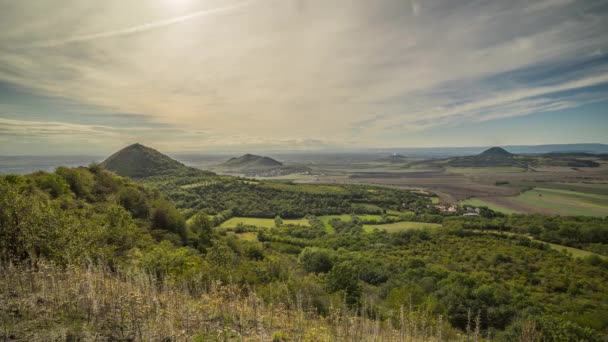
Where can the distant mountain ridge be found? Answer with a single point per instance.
(139, 161)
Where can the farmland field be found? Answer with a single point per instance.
(259, 222)
(400, 226)
(565, 202)
(478, 202)
(547, 201)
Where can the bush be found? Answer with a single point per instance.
(316, 260)
(166, 216)
(343, 277)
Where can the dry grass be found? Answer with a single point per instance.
(94, 304)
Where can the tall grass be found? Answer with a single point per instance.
(50, 303)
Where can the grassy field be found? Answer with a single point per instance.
(590, 187)
(247, 236)
(259, 222)
(478, 202)
(345, 217)
(370, 206)
(400, 226)
(565, 202)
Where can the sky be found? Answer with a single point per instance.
(84, 76)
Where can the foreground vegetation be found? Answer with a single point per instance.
(90, 255)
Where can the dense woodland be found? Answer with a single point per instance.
(96, 254)
(214, 194)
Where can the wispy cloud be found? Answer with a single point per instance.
(289, 71)
(134, 29)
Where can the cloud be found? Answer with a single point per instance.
(133, 29)
(307, 70)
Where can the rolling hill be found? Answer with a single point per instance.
(139, 161)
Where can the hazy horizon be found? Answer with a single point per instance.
(183, 76)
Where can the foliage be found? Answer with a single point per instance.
(461, 275)
(316, 260)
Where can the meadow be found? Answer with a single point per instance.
(479, 202)
(565, 202)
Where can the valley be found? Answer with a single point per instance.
(502, 183)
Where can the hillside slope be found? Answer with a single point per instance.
(138, 161)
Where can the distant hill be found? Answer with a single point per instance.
(499, 157)
(139, 161)
(251, 161)
(492, 157)
(496, 152)
(393, 158)
(252, 165)
(447, 152)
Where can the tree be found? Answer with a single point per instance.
(53, 184)
(134, 201)
(166, 216)
(343, 277)
(316, 260)
(80, 180)
(202, 229)
(278, 221)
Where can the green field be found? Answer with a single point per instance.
(370, 206)
(575, 252)
(588, 188)
(400, 226)
(345, 217)
(565, 202)
(247, 236)
(478, 202)
(259, 222)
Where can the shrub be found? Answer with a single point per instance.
(316, 260)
